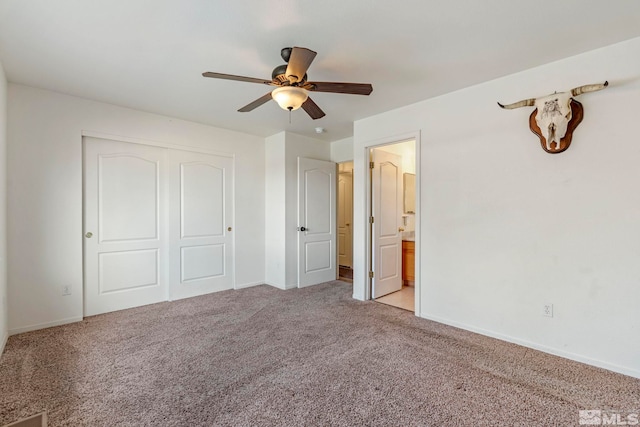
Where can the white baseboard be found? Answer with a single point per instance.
(282, 287)
(44, 325)
(545, 349)
(3, 343)
(275, 285)
(248, 285)
(358, 296)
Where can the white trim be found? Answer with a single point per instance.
(248, 285)
(44, 325)
(234, 232)
(415, 136)
(545, 349)
(418, 237)
(102, 135)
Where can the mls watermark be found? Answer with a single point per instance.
(607, 417)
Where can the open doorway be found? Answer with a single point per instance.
(392, 224)
(345, 221)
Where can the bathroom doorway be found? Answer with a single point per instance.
(393, 224)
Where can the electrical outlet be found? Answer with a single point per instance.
(66, 290)
(547, 310)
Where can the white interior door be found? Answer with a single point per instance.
(125, 243)
(316, 221)
(345, 218)
(386, 191)
(201, 229)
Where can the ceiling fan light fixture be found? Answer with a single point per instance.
(289, 97)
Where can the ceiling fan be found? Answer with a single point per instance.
(292, 88)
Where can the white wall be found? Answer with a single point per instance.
(281, 190)
(45, 195)
(506, 227)
(342, 150)
(275, 214)
(4, 319)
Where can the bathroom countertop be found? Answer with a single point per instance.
(409, 236)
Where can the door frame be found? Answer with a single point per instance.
(368, 261)
(338, 173)
(159, 144)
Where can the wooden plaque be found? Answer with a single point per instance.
(577, 113)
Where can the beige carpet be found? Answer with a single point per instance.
(304, 357)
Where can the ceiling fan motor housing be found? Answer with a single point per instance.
(279, 75)
(285, 53)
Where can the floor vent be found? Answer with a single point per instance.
(39, 420)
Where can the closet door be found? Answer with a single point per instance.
(125, 243)
(201, 228)
(316, 219)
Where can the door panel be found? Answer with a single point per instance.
(317, 256)
(202, 205)
(127, 198)
(124, 196)
(124, 270)
(201, 239)
(316, 213)
(386, 186)
(202, 262)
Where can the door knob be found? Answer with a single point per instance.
(228, 228)
(400, 229)
(89, 235)
(302, 229)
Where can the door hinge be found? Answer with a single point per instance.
(371, 165)
(370, 220)
(371, 275)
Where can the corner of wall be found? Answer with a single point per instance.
(4, 309)
(274, 210)
(342, 150)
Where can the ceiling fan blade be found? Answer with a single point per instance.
(255, 104)
(237, 78)
(299, 62)
(312, 109)
(335, 87)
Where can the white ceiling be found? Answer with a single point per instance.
(150, 54)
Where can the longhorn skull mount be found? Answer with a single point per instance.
(556, 116)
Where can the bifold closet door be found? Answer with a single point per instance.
(200, 222)
(125, 241)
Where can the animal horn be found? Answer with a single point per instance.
(588, 88)
(523, 103)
